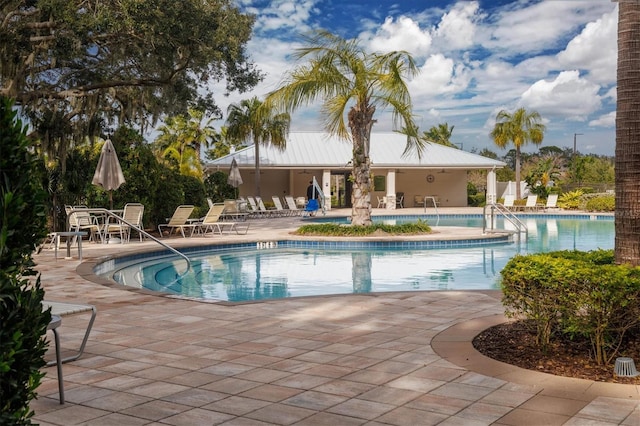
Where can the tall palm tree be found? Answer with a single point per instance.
(627, 166)
(351, 84)
(259, 122)
(440, 134)
(520, 128)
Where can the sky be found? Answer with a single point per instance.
(475, 58)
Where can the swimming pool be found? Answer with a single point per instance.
(240, 272)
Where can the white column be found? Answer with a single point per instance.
(492, 197)
(391, 189)
(326, 188)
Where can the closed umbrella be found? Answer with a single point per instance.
(108, 173)
(234, 179)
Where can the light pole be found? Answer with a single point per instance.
(574, 142)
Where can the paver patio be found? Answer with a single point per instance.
(379, 359)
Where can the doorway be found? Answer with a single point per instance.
(340, 189)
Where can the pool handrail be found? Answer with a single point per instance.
(508, 215)
(111, 214)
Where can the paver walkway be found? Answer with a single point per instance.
(397, 358)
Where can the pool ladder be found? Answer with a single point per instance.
(499, 209)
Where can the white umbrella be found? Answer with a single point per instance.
(234, 179)
(108, 173)
(491, 186)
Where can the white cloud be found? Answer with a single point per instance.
(284, 14)
(568, 95)
(457, 27)
(439, 75)
(540, 26)
(607, 120)
(595, 49)
(401, 34)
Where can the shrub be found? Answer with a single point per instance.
(574, 293)
(23, 324)
(570, 200)
(602, 203)
(334, 229)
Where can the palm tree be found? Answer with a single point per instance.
(627, 166)
(259, 122)
(351, 84)
(181, 139)
(521, 127)
(440, 134)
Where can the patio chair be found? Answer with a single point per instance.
(418, 201)
(231, 211)
(179, 221)
(83, 221)
(212, 222)
(382, 202)
(253, 208)
(532, 203)
(399, 200)
(293, 207)
(552, 202)
(63, 309)
(133, 214)
(281, 211)
(508, 202)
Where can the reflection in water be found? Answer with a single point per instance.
(361, 271)
(286, 272)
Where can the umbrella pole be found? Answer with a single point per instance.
(110, 200)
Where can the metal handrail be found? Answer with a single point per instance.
(508, 215)
(122, 220)
(435, 206)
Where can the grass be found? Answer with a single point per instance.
(337, 230)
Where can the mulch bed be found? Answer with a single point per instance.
(514, 343)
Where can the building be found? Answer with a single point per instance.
(440, 172)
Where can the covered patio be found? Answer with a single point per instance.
(440, 173)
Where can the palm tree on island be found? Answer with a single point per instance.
(351, 84)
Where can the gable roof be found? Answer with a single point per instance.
(320, 150)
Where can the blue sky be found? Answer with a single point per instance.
(476, 58)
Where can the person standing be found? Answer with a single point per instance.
(311, 193)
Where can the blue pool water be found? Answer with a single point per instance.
(244, 273)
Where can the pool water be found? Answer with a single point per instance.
(246, 274)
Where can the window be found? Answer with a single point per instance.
(379, 183)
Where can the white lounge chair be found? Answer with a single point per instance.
(552, 202)
(508, 202)
(532, 203)
(211, 222)
(280, 210)
(293, 207)
(179, 221)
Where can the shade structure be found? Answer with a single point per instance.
(234, 179)
(108, 174)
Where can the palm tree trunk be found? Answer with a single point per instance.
(360, 123)
(518, 192)
(627, 166)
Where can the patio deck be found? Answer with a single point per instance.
(380, 359)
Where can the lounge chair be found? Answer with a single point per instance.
(508, 202)
(532, 203)
(293, 207)
(179, 221)
(212, 222)
(263, 209)
(552, 202)
(133, 214)
(279, 208)
(231, 211)
(254, 210)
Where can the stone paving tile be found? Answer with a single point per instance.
(408, 416)
(609, 409)
(197, 416)
(486, 413)
(302, 381)
(280, 414)
(115, 419)
(236, 405)
(314, 400)
(328, 419)
(231, 385)
(70, 415)
(344, 388)
(271, 393)
(360, 408)
(439, 404)
(195, 397)
(462, 391)
(156, 410)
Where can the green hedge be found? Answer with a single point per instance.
(574, 293)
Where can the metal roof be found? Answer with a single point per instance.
(320, 150)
